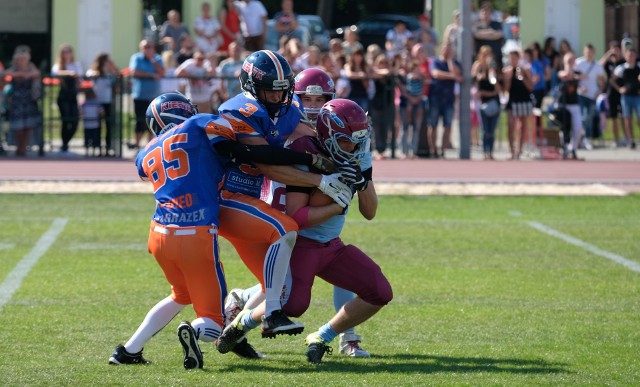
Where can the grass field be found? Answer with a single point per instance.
(481, 297)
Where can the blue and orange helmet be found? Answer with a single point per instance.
(268, 70)
(168, 110)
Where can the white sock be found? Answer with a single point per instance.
(157, 318)
(206, 329)
(275, 268)
(248, 293)
(255, 299)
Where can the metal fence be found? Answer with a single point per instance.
(47, 138)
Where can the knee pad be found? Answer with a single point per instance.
(206, 329)
(381, 293)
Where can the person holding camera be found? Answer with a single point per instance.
(592, 81)
(609, 61)
(568, 98)
(484, 72)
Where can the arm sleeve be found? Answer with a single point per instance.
(263, 154)
(368, 174)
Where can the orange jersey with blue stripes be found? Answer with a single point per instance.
(186, 171)
(249, 119)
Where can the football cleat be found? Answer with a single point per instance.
(232, 334)
(316, 348)
(190, 347)
(121, 356)
(246, 350)
(279, 324)
(233, 305)
(350, 345)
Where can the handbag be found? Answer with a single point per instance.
(491, 108)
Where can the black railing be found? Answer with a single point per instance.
(47, 138)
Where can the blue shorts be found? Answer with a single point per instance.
(629, 104)
(440, 109)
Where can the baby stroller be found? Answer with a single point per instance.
(560, 118)
(558, 134)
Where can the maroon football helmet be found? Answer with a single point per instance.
(313, 81)
(343, 119)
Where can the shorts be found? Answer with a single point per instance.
(629, 104)
(440, 109)
(615, 107)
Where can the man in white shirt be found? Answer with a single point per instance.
(198, 71)
(592, 81)
(253, 23)
(207, 31)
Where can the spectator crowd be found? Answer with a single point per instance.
(409, 86)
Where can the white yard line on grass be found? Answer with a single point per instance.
(631, 265)
(108, 246)
(14, 279)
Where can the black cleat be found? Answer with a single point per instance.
(190, 347)
(232, 335)
(246, 350)
(279, 324)
(316, 348)
(121, 356)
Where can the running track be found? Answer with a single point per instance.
(624, 175)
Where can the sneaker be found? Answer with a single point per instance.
(316, 348)
(350, 345)
(121, 356)
(279, 324)
(633, 145)
(192, 353)
(246, 350)
(232, 335)
(233, 305)
(587, 145)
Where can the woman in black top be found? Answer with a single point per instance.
(358, 74)
(568, 97)
(519, 83)
(484, 72)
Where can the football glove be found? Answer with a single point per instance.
(324, 165)
(351, 175)
(331, 186)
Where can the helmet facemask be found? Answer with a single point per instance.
(314, 82)
(275, 109)
(337, 135)
(314, 90)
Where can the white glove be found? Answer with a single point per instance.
(331, 186)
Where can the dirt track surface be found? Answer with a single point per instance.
(419, 177)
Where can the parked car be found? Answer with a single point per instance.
(319, 33)
(374, 29)
(272, 39)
